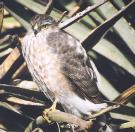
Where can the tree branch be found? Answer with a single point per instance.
(58, 116)
(49, 7)
(120, 100)
(125, 96)
(79, 15)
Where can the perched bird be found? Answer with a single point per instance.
(61, 68)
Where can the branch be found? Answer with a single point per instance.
(103, 111)
(120, 100)
(77, 7)
(125, 96)
(62, 16)
(49, 7)
(79, 15)
(58, 116)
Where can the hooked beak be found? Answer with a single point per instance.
(35, 29)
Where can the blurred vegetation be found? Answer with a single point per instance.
(114, 56)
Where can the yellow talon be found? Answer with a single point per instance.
(46, 111)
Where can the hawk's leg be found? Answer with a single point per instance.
(46, 111)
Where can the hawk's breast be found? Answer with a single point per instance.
(43, 56)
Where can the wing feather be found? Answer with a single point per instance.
(75, 65)
(85, 80)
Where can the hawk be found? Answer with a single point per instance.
(61, 68)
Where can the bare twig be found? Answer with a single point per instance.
(77, 7)
(103, 111)
(63, 14)
(49, 7)
(126, 95)
(120, 100)
(79, 15)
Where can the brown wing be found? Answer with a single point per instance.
(85, 80)
(77, 68)
(75, 65)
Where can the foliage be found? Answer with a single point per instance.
(21, 101)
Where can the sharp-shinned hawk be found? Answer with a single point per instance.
(61, 68)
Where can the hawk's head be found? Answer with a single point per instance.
(41, 21)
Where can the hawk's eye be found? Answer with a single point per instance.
(44, 26)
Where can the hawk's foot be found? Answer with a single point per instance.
(46, 111)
